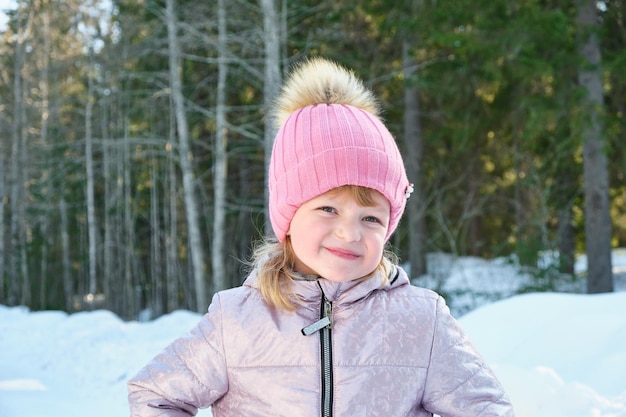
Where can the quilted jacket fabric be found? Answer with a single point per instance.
(395, 350)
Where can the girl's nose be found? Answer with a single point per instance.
(348, 230)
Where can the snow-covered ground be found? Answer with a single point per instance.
(557, 354)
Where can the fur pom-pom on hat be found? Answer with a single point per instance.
(330, 135)
(320, 81)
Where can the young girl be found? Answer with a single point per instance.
(326, 324)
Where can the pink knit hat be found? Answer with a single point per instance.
(330, 143)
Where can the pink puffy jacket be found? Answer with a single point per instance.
(351, 349)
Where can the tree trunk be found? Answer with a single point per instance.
(131, 306)
(107, 144)
(91, 210)
(18, 291)
(68, 288)
(221, 158)
(566, 241)
(44, 116)
(156, 271)
(244, 223)
(271, 86)
(414, 156)
(173, 270)
(191, 210)
(108, 284)
(595, 165)
(2, 228)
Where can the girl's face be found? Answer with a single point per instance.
(336, 238)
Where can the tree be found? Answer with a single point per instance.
(597, 213)
(482, 96)
(19, 281)
(185, 158)
(272, 81)
(416, 206)
(221, 158)
(89, 174)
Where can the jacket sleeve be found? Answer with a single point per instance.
(459, 383)
(189, 374)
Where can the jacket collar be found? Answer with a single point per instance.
(309, 288)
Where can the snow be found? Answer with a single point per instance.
(557, 354)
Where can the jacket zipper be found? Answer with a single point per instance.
(324, 326)
(327, 359)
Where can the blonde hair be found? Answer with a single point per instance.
(274, 260)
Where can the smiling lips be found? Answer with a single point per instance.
(343, 253)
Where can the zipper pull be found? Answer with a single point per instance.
(324, 322)
(317, 326)
(328, 310)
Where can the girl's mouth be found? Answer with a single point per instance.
(343, 253)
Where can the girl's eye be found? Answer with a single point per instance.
(327, 209)
(371, 219)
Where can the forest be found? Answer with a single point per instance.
(134, 138)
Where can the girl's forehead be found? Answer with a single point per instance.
(366, 197)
